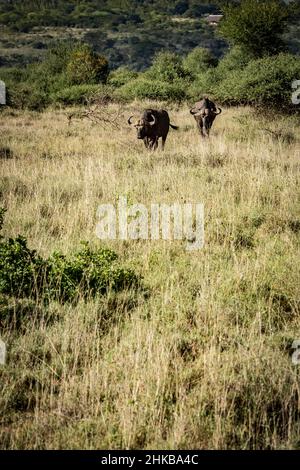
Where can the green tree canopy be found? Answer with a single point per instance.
(167, 66)
(256, 25)
(86, 67)
(199, 60)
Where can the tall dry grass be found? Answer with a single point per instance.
(203, 361)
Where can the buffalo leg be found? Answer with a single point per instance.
(206, 127)
(154, 143)
(199, 123)
(163, 140)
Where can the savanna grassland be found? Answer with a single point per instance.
(201, 356)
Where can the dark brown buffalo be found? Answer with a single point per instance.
(152, 125)
(205, 112)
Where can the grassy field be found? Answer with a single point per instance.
(204, 359)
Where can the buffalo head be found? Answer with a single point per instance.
(204, 108)
(142, 125)
(205, 112)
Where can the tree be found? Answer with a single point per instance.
(255, 25)
(167, 67)
(199, 60)
(86, 67)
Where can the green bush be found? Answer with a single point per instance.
(255, 25)
(27, 95)
(58, 56)
(143, 88)
(167, 67)
(121, 76)
(235, 59)
(86, 67)
(204, 84)
(84, 274)
(67, 76)
(76, 94)
(199, 60)
(21, 269)
(263, 82)
(209, 79)
(240, 80)
(165, 80)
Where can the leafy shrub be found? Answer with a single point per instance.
(85, 273)
(66, 76)
(240, 79)
(27, 96)
(165, 80)
(143, 88)
(58, 56)
(199, 60)
(255, 25)
(167, 67)
(76, 94)
(21, 269)
(263, 82)
(86, 67)
(235, 59)
(204, 84)
(121, 76)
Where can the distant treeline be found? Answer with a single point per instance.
(127, 32)
(258, 69)
(22, 16)
(74, 74)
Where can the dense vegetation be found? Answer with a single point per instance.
(201, 358)
(126, 32)
(20, 16)
(73, 74)
(258, 69)
(84, 274)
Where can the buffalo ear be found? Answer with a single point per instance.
(129, 120)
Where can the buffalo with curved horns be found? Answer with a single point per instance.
(205, 112)
(152, 125)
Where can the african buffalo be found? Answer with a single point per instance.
(152, 125)
(205, 112)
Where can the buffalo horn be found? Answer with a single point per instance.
(153, 121)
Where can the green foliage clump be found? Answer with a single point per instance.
(121, 76)
(199, 60)
(26, 96)
(263, 82)
(21, 269)
(76, 94)
(255, 25)
(242, 79)
(167, 67)
(165, 80)
(86, 67)
(67, 76)
(84, 274)
(204, 84)
(235, 59)
(143, 88)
